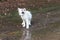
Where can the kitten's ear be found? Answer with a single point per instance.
(18, 8)
(24, 9)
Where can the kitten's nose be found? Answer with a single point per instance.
(22, 12)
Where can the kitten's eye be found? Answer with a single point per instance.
(22, 12)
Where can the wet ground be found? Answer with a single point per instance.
(45, 26)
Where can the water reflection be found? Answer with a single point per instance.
(26, 35)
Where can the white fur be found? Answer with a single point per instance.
(26, 17)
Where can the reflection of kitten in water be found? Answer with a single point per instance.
(26, 17)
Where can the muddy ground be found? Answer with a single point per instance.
(45, 26)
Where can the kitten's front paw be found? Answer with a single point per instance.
(23, 24)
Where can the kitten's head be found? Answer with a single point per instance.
(21, 11)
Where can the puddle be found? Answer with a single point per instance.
(26, 35)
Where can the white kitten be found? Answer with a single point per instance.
(26, 17)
